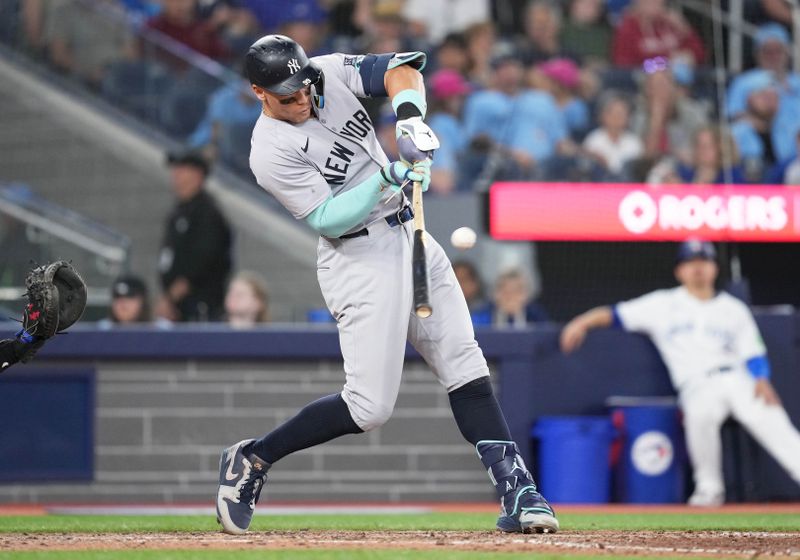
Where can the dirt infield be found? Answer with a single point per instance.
(671, 543)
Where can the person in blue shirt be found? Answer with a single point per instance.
(715, 161)
(561, 77)
(765, 133)
(772, 44)
(513, 305)
(472, 286)
(230, 108)
(448, 90)
(786, 172)
(527, 123)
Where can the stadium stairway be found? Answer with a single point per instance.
(74, 153)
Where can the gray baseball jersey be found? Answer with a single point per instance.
(301, 165)
(366, 281)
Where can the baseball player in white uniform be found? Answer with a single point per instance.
(314, 148)
(717, 362)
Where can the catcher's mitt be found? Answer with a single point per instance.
(56, 299)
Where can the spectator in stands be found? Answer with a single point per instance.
(179, 20)
(435, 19)
(542, 28)
(778, 10)
(85, 38)
(195, 258)
(756, 131)
(667, 115)
(560, 77)
(142, 8)
(650, 29)
(35, 17)
(129, 302)
(586, 33)
(787, 172)
(480, 39)
(525, 124)
(613, 144)
(237, 26)
(447, 92)
(385, 29)
(513, 304)
(715, 161)
(472, 286)
(304, 22)
(247, 300)
(452, 54)
(773, 56)
(272, 14)
(230, 115)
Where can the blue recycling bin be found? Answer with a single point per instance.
(575, 458)
(653, 463)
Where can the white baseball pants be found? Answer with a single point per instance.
(709, 402)
(366, 282)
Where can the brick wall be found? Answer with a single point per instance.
(161, 426)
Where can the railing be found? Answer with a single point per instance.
(738, 28)
(34, 230)
(159, 81)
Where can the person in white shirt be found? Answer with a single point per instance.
(434, 19)
(716, 359)
(612, 143)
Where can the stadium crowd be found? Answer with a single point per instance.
(600, 90)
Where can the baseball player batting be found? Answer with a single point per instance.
(315, 149)
(717, 362)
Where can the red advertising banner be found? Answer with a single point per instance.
(635, 212)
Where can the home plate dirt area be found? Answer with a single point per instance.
(650, 543)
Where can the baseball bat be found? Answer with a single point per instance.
(419, 266)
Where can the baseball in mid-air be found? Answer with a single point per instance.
(463, 238)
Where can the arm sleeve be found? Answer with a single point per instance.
(363, 74)
(338, 214)
(639, 314)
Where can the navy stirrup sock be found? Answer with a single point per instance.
(318, 422)
(477, 412)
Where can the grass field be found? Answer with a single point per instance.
(691, 520)
(439, 536)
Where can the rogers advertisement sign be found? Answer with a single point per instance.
(632, 212)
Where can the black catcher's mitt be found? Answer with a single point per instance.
(56, 299)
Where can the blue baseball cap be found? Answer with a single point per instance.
(771, 32)
(695, 249)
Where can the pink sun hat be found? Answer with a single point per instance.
(447, 83)
(562, 70)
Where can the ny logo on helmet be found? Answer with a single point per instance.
(293, 65)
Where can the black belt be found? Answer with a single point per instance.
(400, 217)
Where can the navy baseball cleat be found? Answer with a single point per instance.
(241, 479)
(522, 508)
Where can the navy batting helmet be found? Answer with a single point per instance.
(279, 65)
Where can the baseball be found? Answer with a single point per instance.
(463, 238)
